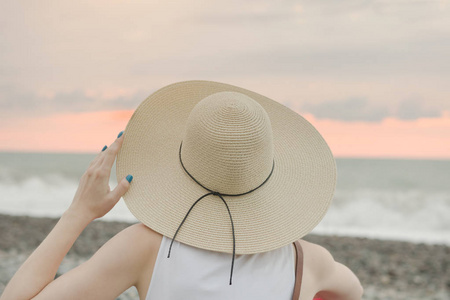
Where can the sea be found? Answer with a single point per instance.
(392, 199)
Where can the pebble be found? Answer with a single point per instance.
(386, 269)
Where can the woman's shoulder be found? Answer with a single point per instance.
(141, 236)
(141, 229)
(318, 263)
(137, 241)
(328, 276)
(317, 258)
(315, 250)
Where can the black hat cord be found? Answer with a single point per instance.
(211, 192)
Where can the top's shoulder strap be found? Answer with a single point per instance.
(298, 270)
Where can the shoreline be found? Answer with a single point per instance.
(387, 269)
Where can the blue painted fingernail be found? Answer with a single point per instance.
(120, 134)
(129, 178)
(104, 148)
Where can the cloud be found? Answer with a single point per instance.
(346, 38)
(421, 138)
(412, 108)
(351, 109)
(243, 18)
(361, 109)
(373, 48)
(23, 103)
(13, 101)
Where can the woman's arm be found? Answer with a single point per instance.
(125, 260)
(92, 200)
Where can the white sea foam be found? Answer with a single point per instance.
(385, 199)
(410, 216)
(415, 216)
(49, 196)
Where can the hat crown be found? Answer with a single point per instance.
(228, 143)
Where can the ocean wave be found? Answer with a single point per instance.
(48, 195)
(411, 215)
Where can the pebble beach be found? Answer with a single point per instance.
(386, 269)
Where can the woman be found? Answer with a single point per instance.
(220, 174)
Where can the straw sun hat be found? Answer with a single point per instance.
(201, 138)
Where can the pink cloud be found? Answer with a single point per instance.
(89, 132)
(81, 132)
(421, 138)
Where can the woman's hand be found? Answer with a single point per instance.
(94, 198)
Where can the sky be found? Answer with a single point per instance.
(371, 76)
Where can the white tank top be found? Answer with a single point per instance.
(194, 273)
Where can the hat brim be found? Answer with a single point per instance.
(287, 207)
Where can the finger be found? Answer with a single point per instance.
(102, 155)
(121, 188)
(98, 157)
(111, 152)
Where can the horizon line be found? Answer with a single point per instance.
(387, 157)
